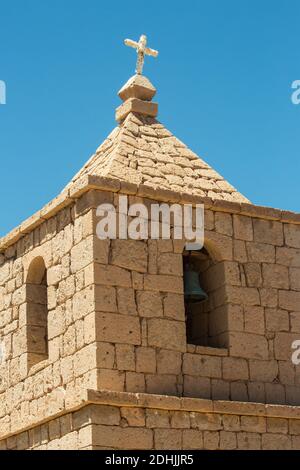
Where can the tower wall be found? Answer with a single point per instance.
(116, 318)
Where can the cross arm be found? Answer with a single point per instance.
(130, 43)
(151, 52)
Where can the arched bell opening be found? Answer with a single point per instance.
(205, 309)
(37, 312)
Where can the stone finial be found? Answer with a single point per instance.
(137, 94)
(139, 87)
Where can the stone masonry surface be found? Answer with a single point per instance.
(116, 317)
(128, 421)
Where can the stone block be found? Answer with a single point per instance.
(223, 242)
(85, 360)
(276, 320)
(235, 318)
(254, 320)
(110, 380)
(157, 418)
(269, 297)
(211, 440)
(239, 251)
(149, 304)
(111, 276)
(228, 440)
(125, 357)
(170, 263)
(289, 300)
(296, 442)
(83, 302)
(248, 345)
(161, 384)
(180, 420)
(163, 283)
(276, 442)
(263, 371)
(101, 250)
(295, 278)
(268, 231)
(253, 424)
(283, 345)
(275, 393)
(231, 423)
(119, 438)
(292, 235)
(295, 322)
(167, 439)
(126, 301)
(294, 426)
(174, 306)
(135, 382)
(235, 369)
(192, 439)
(114, 328)
(277, 425)
(288, 257)
(168, 362)
(137, 280)
(145, 360)
(167, 334)
(253, 274)
(105, 299)
(203, 366)
(239, 392)
(199, 387)
(287, 372)
(105, 354)
(134, 417)
(242, 295)
(223, 223)
(130, 254)
(85, 437)
(249, 441)
(260, 252)
(276, 276)
(220, 390)
(243, 229)
(206, 421)
(82, 254)
(54, 275)
(89, 328)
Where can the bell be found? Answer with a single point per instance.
(193, 292)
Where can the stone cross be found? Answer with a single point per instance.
(142, 50)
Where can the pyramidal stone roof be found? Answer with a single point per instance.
(142, 151)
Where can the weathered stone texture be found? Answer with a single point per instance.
(116, 321)
(100, 427)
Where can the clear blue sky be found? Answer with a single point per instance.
(223, 76)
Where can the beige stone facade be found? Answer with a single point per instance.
(116, 420)
(110, 366)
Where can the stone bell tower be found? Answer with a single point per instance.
(99, 348)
